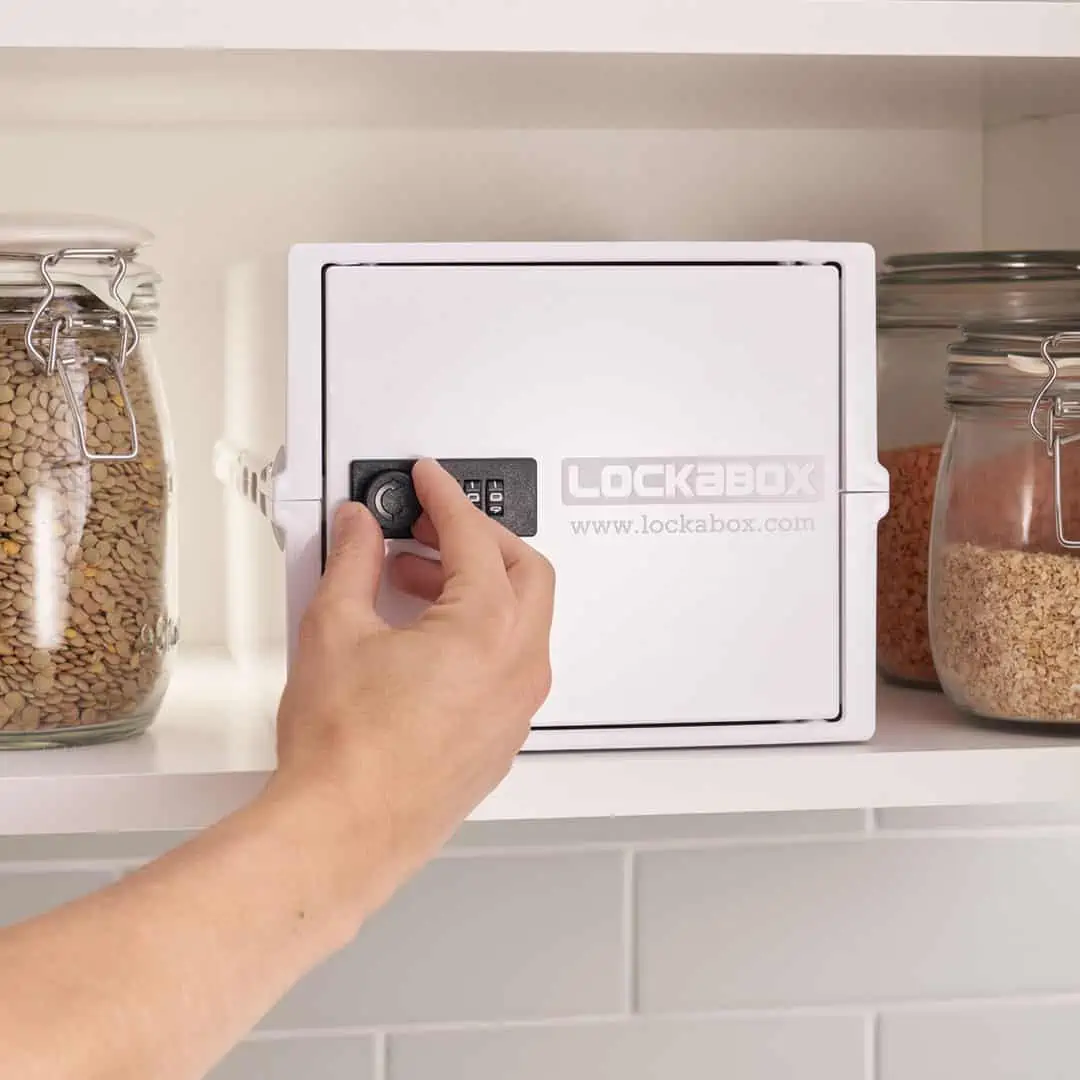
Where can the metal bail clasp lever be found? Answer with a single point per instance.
(55, 364)
(1052, 437)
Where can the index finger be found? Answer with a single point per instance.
(526, 569)
(469, 547)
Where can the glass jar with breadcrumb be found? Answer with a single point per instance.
(1005, 544)
(87, 606)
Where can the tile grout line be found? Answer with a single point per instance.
(873, 1046)
(630, 932)
(766, 1012)
(20, 867)
(862, 835)
(379, 1051)
(871, 827)
(609, 847)
(390, 1031)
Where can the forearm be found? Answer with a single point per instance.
(387, 739)
(162, 973)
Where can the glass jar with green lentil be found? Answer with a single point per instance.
(87, 604)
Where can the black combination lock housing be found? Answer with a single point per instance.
(503, 488)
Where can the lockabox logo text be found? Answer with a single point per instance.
(637, 481)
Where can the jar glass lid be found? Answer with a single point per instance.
(977, 266)
(954, 288)
(83, 254)
(1021, 345)
(1032, 366)
(65, 276)
(34, 235)
(1015, 364)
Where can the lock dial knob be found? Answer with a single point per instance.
(392, 499)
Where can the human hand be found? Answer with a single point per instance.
(400, 733)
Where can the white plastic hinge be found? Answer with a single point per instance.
(253, 478)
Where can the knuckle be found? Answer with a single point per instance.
(541, 682)
(311, 630)
(317, 626)
(464, 658)
(522, 730)
(345, 552)
(545, 570)
(494, 614)
(346, 549)
(495, 623)
(546, 678)
(460, 514)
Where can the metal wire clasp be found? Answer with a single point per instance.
(1057, 410)
(55, 364)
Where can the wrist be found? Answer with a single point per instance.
(338, 862)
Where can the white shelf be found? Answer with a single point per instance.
(212, 750)
(851, 27)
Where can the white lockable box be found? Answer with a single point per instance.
(687, 431)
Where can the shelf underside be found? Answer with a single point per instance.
(134, 88)
(212, 750)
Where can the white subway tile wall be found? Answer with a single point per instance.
(23, 895)
(901, 945)
(746, 1049)
(987, 1042)
(340, 1057)
(893, 919)
(475, 940)
(97, 847)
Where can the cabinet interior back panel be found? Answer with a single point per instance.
(227, 203)
(1031, 172)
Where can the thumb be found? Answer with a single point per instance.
(354, 562)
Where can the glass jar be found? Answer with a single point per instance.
(923, 300)
(1005, 550)
(87, 609)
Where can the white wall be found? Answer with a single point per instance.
(226, 203)
(1030, 190)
